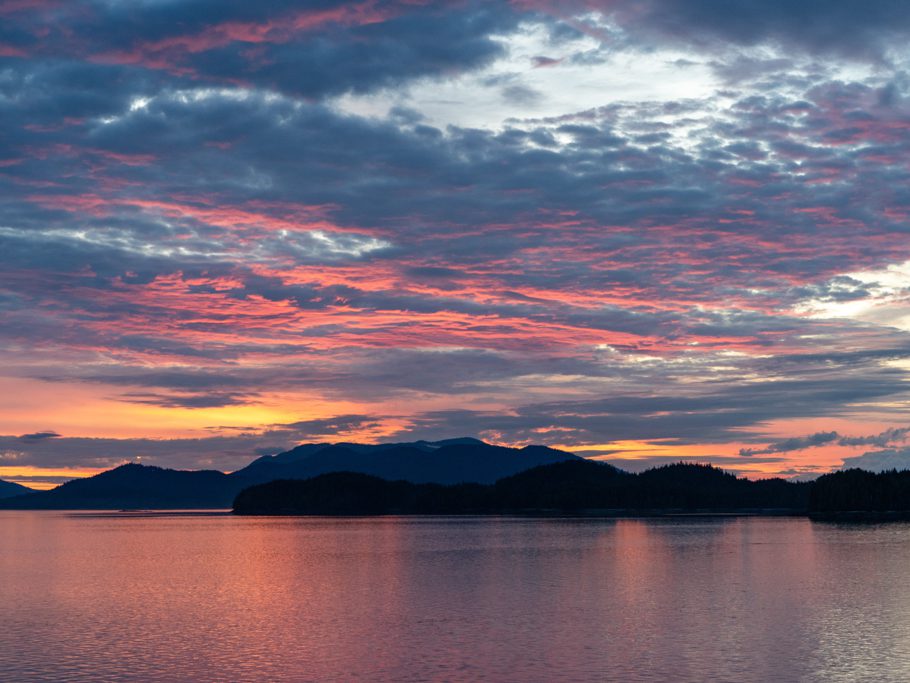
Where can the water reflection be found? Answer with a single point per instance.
(177, 598)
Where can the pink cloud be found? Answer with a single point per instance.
(166, 53)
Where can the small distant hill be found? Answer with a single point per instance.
(133, 487)
(572, 486)
(689, 487)
(858, 494)
(136, 486)
(9, 489)
(451, 461)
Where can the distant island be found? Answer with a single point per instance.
(467, 476)
(858, 495)
(583, 487)
(570, 487)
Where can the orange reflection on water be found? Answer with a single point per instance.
(163, 597)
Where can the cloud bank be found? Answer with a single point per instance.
(225, 215)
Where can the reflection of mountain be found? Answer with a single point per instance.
(9, 489)
(137, 486)
(575, 486)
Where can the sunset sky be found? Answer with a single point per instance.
(643, 231)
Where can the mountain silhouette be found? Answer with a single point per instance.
(442, 462)
(454, 476)
(9, 489)
(134, 486)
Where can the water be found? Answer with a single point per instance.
(126, 597)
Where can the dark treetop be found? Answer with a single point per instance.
(576, 486)
(860, 494)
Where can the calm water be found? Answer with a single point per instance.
(117, 597)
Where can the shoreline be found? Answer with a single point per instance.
(853, 516)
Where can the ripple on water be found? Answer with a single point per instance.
(126, 597)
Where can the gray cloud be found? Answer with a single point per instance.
(313, 50)
(39, 436)
(224, 452)
(793, 444)
(880, 461)
(882, 439)
(838, 27)
(196, 400)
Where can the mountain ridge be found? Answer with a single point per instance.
(132, 486)
(8, 489)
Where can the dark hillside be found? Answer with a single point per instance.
(859, 491)
(577, 486)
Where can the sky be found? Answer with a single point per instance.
(643, 231)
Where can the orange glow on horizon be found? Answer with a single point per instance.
(24, 475)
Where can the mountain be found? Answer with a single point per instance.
(9, 489)
(452, 477)
(134, 486)
(572, 486)
(443, 462)
(137, 486)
